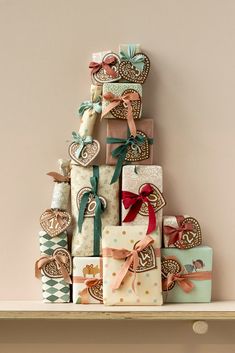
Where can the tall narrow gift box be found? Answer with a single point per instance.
(95, 204)
(142, 199)
(87, 280)
(131, 266)
(186, 274)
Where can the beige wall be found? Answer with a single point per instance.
(44, 50)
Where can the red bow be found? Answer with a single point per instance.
(135, 201)
(175, 234)
(105, 64)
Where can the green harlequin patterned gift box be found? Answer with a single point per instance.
(190, 271)
(54, 290)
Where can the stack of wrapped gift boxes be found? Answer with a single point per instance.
(118, 228)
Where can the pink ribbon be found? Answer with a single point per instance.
(89, 283)
(59, 178)
(60, 262)
(183, 280)
(105, 64)
(175, 234)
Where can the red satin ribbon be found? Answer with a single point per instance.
(59, 178)
(175, 234)
(131, 258)
(135, 201)
(127, 99)
(105, 64)
(183, 280)
(89, 283)
(59, 260)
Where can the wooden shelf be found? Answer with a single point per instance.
(224, 310)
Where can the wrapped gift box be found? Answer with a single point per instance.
(183, 232)
(83, 241)
(186, 274)
(134, 179)
(144, 288)
(87, 280)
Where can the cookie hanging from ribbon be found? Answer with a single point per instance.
(52, 270)
(84, 149)
(54, 221)
(105, 69)
(170, 265)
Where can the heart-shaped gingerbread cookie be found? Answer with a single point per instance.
(131, 73)
(190, 238)
(102, 76)
(120, 111)
(53, 270)
(54, 222)
(156, 199)
(138, 152)
(170, 265)
(88, 154)
(147, 260)
(91, 205)
(96, 291)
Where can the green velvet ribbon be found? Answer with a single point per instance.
(96, 106)
(94, 180)
(82, 141)
(137, 60)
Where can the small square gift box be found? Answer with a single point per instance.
(87, 280)
(122, 148)
(131, 266)
(95, 204)
(187, 274)
(122, 101)
(84, 148)
(182, 232)
(105, 67)
(54, 267)
(142, 198)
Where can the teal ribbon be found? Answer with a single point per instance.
(137, 60)
(82, 141)
(99, 209)
(96, 106)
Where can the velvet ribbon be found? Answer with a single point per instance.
(59, 260)
(89, 283)
(82, 141)
(99, 209)
(175, 234)
(136, 59)
(51, 213)
(135, 201)
(59, 178)
(125, 99)
(183, 280)
(105, 64)
(90, 105)
(131, 258)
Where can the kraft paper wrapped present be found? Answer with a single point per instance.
(142, 198)
(131, 266)
(183, 232)
(87, 280)
(95, 204)
(105, 67)
(54, 256)
(122, 101)
(187, 275)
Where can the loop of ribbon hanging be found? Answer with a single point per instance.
(135, 201)
(89, 283)
(136, 59)
(52, 213)
(105, 64)
(131, 258)
(99, 209)
(60, 262)
(175, 234)
(183, 280)
(59, 178)
(90, 105)
(82, 141)
(126, 99)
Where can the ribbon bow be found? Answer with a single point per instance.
(89, 283)
(126, 99)
(135, 201)
(94, 180)
(60, 262)
(96, 106)
(131, 258)
(59, 178)
(137, 60)
(105, 64)
(52, 213)
(121, 151)
(183, 280)
(82, 141)
(176, 234)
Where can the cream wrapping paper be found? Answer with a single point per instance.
(148, 289)
(87, 268)
(60, 196)
(83, 243)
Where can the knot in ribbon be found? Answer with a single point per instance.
(136, 59)
(60, 262)
(89, 283)
(59, 178)
(175, 234)
(90, 105)
(105, 64)
(126, 99)
(183, 280)
(59, 215)
(121, 151)
(131, 258)
(82, 141)
(135, 201)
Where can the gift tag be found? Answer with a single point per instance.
(147, 260)
(54, 222)
(190, 238)
(131, 73)
(96, 291)
(91, 204)
(88, 154)
(170, 265)
(120, 111)
(156, 199)
(102, 76)
(53, 270)
(138, 152)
